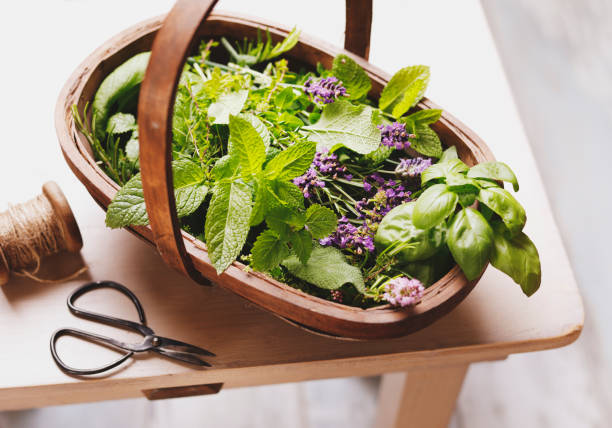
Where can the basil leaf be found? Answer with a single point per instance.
(320, 221)
(459, 183)
(449, 154)
(246, 144)
(345, 125)
(227, 222)
(404, 90)
(227, 105)
(268, 251)
(518, 258)
(326, 268)
(433, 206)
(301, 244)
(441, 169)
(353, 77)
(504, 205)
(470, 240)
(494, 171)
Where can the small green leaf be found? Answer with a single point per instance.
(292, 162)
(353, 77)
(120, 123)
(226, 105)
(518, 258)
(449, 154)
(301, 244)
(259, 127)
(503, 204)
(291, 120)
(326, 268)
(404, 90)
(494, 171)
(470, 240)
(128, 206)
(132, 149)
(269, 250)
(227, 223)
(285, 99)
(246, 144)
(433, 206)
(320, 221)
(425, 116)
(343, 124)
(441, 170)
(427, 141)
(284, 220)
(459, 183)
(285, 45)
(189, 188)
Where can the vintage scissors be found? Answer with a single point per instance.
(162, 345)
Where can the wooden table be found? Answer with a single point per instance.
(423, 372)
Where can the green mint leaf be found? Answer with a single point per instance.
(301, 244)
(290, 120)
(345, 125)
(226, 105)
(269, 250)
(470, 240)
(504, 205)
(433, 206)
(227, 223)
(326, 268)
(120, 123)
(404, 90)
(449, 154)
(246, 144)
(226, 167)
(425, 116)
(397, 228)
(427, 141)
(292, 162)
(259, 126)
(441, 169)
(285, 99)
(128, 206)
(353, 77)
(518, 258)
(494, 171)
(189, 187)
(284, 220)
(320, 221)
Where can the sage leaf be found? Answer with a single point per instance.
(345, 125)
(292, 162)
(120, 123)
(433, 206)
(227, 222)
(404, 90)
(441, 170)
(470, 240)
(353, 77)
(326, 268)
(268, 251)
(320, 221)
(494, 171)
(246, 144)
(518, 258)
(506, 206)
(226, 105)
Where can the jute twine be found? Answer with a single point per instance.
(30, 232)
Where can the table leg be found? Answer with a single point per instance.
(423, 398)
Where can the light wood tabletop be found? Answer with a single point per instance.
(255, 347)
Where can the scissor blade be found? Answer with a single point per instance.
(182, 356)
(179, 346)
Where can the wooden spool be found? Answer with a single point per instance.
(171, 39)
(65, 219)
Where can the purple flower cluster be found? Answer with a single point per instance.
(403, 291)
(412, 168)
(327, 164)
(395, 135)
(348, 236)
(386, 195)
(325, 90)
(336, 296)
(308, 182)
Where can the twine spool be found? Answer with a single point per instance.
(34, 230)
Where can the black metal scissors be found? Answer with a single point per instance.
(162, 345)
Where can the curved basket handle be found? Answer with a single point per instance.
(172, 43)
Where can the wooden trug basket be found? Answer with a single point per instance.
(171, 38)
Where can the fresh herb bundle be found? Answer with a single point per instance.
(301, 176)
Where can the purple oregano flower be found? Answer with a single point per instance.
(395, 135)
(325, 90)
(327, 164)
(348, 236)
(308, 182)
(384, 196)
(412, 168)
(403, 291)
